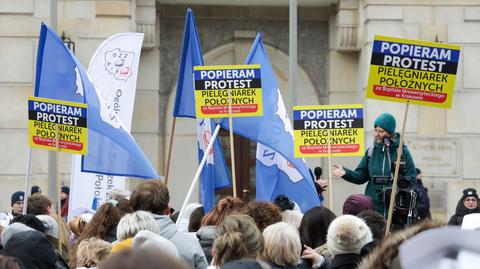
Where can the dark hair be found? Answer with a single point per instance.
(141, 259)
(376, 222)
(7, 262)
(106, 218)
(124, 207)
(283, 202)
(263, 213)
(223, 208)
(31, 221)
(196, 219)
(314, 226)
(38, 204)
(151, 196)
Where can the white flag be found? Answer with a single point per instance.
(113, 69)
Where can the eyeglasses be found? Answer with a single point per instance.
(470, 200)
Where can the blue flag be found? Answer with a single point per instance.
(277, 171)
(215, 174)
(111, 149)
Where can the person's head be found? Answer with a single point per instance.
(347, 234)
(263, 213)
(314, 226)
(106, 218)
(91, 252)
(123, 205)
(64, 192)
(357, 203)
(470, 198)
(31, 221)
(419, 174)
(132, 223)
(237, 237)
(141, 259)
(12, 229)
(39, 204)
(292, 217)
(376, 222)
(150, 240)
(77, 225)
(51, 226)
(195, 220)
(223, 208)
(7, 262)
(32, 249)
(35, 189)
(282, 244)
(283, 202)
(151, 196)
(384, 126)
(17, 202)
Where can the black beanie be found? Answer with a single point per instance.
(31, 221)
(469, 192)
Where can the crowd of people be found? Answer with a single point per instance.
(141, 231)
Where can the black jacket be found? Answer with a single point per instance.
(32, 249)
(345, 261)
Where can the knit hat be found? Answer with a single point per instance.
(17, 196)
(51, 226)
(65, 190)
(347, 234)
(149, 240)
(31, 221)
(387, 122)
(357, 203)
(122, 245)
(35, 189)
(469, 192)
(13, 229)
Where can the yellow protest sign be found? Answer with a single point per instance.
(213, 84)
(420, 72)
(44, 115)
(315, 126)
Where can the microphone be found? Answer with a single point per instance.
(386, 141)
(318, 172)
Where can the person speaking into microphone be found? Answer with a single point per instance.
(376, 164)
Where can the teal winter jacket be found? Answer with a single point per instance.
(378, 164)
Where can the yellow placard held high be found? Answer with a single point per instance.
(316, 128)
(214, 84)
(43, 117)
(418, 72)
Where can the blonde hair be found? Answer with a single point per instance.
(130, 224)
(91, 252)
(237, 237)
(282, 244)
(77, 225)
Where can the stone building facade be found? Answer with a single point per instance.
(334, 41)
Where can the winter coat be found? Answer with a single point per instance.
(205, 236)
(460, 212)
(276, 266)
(345, 261)
(187, 245)
(32, 249)
(378, 164)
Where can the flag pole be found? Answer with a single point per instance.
(167, 166)
(27, 178)
(232, 147)
(395, 176)
(57, 173)
(330, 181)
(197, 174)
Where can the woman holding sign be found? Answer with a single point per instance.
(376, 166)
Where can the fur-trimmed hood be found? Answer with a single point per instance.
(385, 256)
